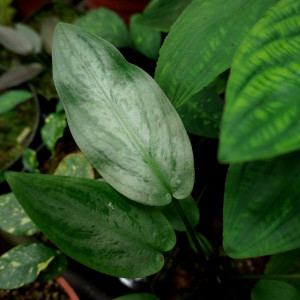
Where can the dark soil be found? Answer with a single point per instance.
(49, 290)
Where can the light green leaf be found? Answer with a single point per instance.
(13, 218)
(145, 39)
(11, 99)
(31, 35)
(14, 41)
(22, 264)
(106, 232)
(30, 161)
(202, 113)
(106, 24)
(161, 14)
(53, 129)
(137, 296)
(55, 268)
(261, 116)
(121, 119)
(190, 208)
(76, 165)
(274, 290)
(262, 207)
(201, 44)
(59, 107)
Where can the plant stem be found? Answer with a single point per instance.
(52, 162)
(267, 276)
(190, 230)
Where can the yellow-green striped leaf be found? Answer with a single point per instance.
(202, 42)
(121, 119)
(261, 117)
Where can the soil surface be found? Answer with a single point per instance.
(49, 290)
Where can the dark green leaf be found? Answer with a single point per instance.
(274, 290)
(121, 120)
(53, 129)
(30, 161)
(106, 24)
(202, 113)
(262, 207)
(75, 164)
(190, 208)
(285, 264)
(140, 296)
(161, 14)
(203, 242)
(261, 116)
(106, 231)
(11, 99)
(145, 39)
(22, 264)
(13, 218)
(55, 268)
(201, 44)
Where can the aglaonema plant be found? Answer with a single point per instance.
(128, 126)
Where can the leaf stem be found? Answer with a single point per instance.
(190, 230)
(52, 162)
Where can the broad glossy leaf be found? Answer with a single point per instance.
(261, 116)
(19, 75)
(106, 232)
(55, 268)
(30, 161)
(137, 296)
(14, 41)
(31, 35)
(190, 208)
(22, 264)
(274, 290)
(11, 99)
(13, 218)
(145, 39)
(75, 164)
(53, 129)
(106, 24)
(202, 113)
(285, 264)
(161, 14)
(262, 207)
(121, 119)
(201, 44)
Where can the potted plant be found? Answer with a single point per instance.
(132, 129)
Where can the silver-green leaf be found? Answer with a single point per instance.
(121, 119)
